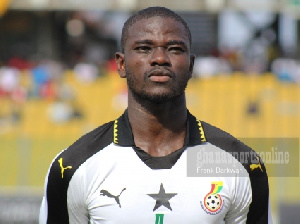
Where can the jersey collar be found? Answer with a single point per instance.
(122, 132)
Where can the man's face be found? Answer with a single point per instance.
(157, 60)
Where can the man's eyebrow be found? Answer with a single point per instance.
(144, 42)
(176, 42)
(171, 42)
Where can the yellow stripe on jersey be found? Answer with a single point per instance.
(201, 131)
(116, 132)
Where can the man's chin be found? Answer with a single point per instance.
(156, 98)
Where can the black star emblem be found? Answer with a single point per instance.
(162, 198)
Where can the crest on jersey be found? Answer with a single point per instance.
(212, 203)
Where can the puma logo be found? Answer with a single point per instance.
(256, 166)
(106, 193)
(62, 169)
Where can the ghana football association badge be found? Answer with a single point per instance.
(213, 203)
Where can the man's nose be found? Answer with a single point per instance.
(160, 57)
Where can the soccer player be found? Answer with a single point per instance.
(135, 169)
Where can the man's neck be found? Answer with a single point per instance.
(158, 128)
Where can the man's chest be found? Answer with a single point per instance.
(131, 192)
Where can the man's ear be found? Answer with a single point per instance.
(191, 68)
(120, 60)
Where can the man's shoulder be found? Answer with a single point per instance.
(81, 150)
(67, 162)
(99, 135)
(223, 139)
(249, 158)
(87, 145)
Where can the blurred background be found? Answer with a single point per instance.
(58, 81)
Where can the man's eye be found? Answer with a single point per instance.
(143, 49)
(177, 50)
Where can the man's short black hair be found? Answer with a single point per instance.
(149, 13)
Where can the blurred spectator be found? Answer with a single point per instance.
(64, 110)
(253, 107)
(60, 111)
(9, 80)
(19, 96)
(210, 66)
(256, 56)
(40, 77)
(48, 90)
(111, 67)
(85, 73)
(19, 63)
(14, 94)
(65, 92)
(54, 69)
(233, 56)
(287, 70)
(45, 77)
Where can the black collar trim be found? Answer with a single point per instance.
(122, 132)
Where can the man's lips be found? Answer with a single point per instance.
(159, 75)
(159, 78)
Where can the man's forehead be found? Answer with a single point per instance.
(156, 20)
(155, 25)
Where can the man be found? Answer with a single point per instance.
(135, 169)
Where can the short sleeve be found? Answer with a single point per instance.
(240, 202)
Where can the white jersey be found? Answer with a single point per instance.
(105, 178)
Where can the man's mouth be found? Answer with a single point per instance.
(160, 75)
(159, 78)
